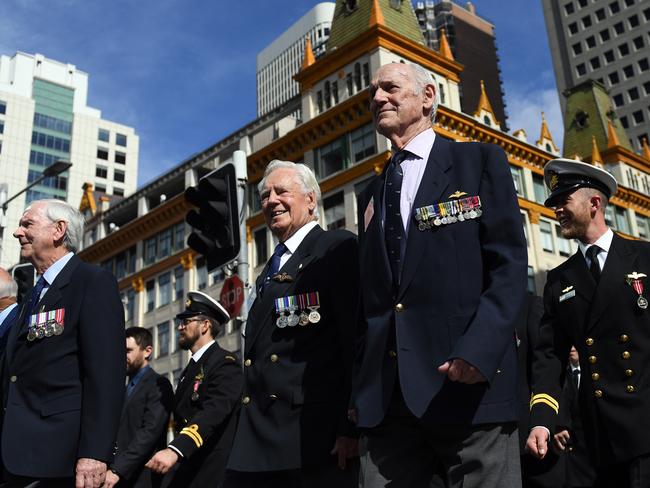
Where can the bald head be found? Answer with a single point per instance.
(8, 289)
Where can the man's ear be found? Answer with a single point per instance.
(429, 94)
(148, 352)
(60, 228)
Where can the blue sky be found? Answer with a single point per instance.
(182, 72)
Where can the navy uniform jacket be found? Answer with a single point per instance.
(143, 430)
(63, 394)
(297, 379)
(612, 336)
(206, 424)
(461, 288)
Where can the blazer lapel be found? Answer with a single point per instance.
(259, 316)
(434, 182)
(138, 388)
(620, 261)
(51, 297)
(577, 275)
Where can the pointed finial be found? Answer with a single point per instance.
(483, 102)
(595, 153)
(376, 16)
(309, 58)
(544, 133)
(645, 150)
(445, 50)
(612, 138)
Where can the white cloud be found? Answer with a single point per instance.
(525, 107)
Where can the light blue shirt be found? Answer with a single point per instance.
(53, 271)
(413, 168)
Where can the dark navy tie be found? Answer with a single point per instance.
(594, 267)
(274, 265)
(35, 297)
(393, 225)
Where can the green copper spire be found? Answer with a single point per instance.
(589, 110)
(353, 17)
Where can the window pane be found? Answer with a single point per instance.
(120, 140)
(363, 142)
(547, 236)
(163, 339)
(164, 243)
(179, 274)
(164, 289)
(261, 247)
(517, 178)
(103, 135)
(150, 247)
(151, 297)
(332, 157)
(539, 187)
(334, 211)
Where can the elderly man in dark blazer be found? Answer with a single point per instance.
(443, 276)
(293, 429)
(63, 371)
(145, 416)
(596, 301)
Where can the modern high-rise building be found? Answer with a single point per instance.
(473, 44)
(280, 61)
(606, 41)
(44, 117)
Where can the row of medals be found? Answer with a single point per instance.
(47, 329)
(429, 223)
(304, 318)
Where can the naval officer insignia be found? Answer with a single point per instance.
(634, 280)
(567, 293)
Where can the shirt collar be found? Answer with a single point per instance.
(421, 145)
(197, 355)
(53, 271)
(138, 376)
(604, 242)
(294, 241)
(5, 313)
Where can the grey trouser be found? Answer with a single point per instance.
(403, 453)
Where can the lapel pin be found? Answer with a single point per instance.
(283, 277)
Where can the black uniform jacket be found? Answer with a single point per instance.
(205, 423)
(297, 379)
(462, 285)
(612, 336)
(63, 394)
(143, 430)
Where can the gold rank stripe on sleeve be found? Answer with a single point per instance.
(193, 433)
(547, 399)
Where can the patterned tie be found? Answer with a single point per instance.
(34, 297)
(576, 377)
(393, 225)
(274, 265)
(594, 267)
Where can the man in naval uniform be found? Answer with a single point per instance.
(597, 301)
(206, 401)
(293, 429)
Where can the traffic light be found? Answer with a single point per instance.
(216, 223)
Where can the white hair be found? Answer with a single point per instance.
(422, 78)
(304, 176)
(56, 210)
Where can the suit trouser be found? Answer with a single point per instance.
(326, 477)
(12, 481)
(403, 452)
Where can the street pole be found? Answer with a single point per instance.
(241, 170)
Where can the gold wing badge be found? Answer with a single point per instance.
(457, 194)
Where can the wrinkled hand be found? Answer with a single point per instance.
(162, 461)
(561, 439)
(90, 473)
(111, 480)
(537, 443)
(345, 447)
(461, 371)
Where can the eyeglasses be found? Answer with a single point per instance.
(185, 322)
